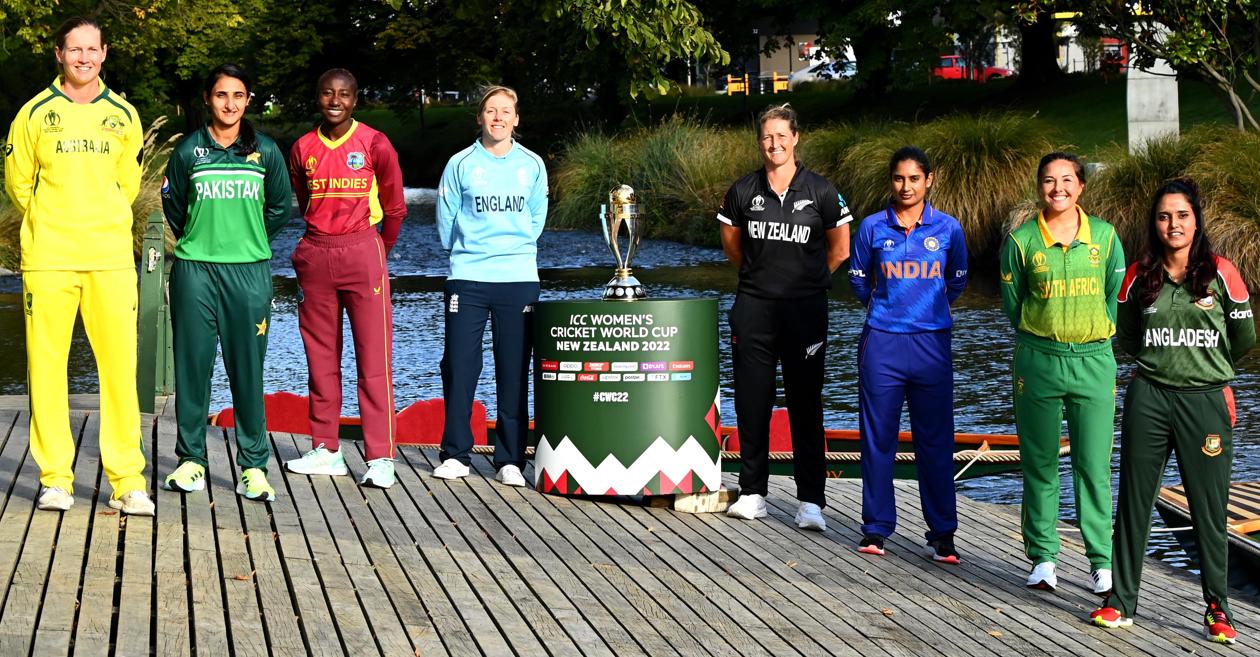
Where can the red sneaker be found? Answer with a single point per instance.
(1218, 627)
(872, 544)
(1109, 617)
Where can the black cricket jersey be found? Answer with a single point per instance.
(784, 240)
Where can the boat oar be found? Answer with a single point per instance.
(984, 447)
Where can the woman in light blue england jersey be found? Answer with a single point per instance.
(492, 203)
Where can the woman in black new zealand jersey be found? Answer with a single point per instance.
(784, 227)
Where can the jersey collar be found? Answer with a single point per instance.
(481, 147)
(1083, 234)
(55, 87)
(209, 139)
(792, 185)
(333, 144)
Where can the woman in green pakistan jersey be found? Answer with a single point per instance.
(1060, 277)
(226, 194)
(1185, 317)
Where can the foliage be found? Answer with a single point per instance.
(985, 165)
(1228, 171)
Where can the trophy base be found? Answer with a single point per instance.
(624, 288)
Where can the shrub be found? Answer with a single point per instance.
(1228, 172)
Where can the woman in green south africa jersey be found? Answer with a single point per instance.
(226, 194)
(1060, 277)
(1185, 317)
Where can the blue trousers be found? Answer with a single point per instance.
(918, 369)
(508, 307)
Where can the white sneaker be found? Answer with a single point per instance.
(1043, 577)
(810, 516)
(450, 469)
(55, 499)
(319, 461)
(748, 507)
(134, 503)
(1101, 580)
(380, 473)
(509, 475)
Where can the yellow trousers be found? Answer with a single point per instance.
(107, 301)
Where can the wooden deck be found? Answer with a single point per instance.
(471, 567)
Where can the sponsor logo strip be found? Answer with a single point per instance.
(566, 376)
(570, 366)
(623, 366)
(596, 367)
(550, 366)
(681, 376)
(682, 365)
(654, 366)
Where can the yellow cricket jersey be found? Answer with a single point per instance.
(73, 171)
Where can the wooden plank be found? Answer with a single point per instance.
(172, 603)
(236, 567)
(22, 607)
(133, 633)
(305, 588)
(96, 603)
(378, 610)
(539, 617)
(393, 555)
(645, 592)
(337, 583)
(20, 491)
(600, 605)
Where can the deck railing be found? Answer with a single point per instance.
(155, 371)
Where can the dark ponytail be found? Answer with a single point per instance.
(248, 139)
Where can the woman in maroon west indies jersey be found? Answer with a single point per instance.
(1185, 317)
(783, 226)
(347, 180)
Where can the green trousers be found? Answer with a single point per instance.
(1198, 426)
(215, 304)
(1052, 378)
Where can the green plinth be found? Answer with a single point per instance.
(626, 397)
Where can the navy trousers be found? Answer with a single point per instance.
(509, 308)
(918, 369)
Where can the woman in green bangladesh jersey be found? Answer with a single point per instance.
(1060, 277)
(1185, 316)
(226, 194)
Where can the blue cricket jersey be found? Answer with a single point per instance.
(490, 212)
(908, 279)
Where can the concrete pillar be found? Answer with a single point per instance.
(1152, 104)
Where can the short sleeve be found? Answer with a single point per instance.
(835, 210)
(729, 213)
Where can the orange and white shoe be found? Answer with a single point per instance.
(1217, 625)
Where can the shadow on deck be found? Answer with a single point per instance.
(470, 567)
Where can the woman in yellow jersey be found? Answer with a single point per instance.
(72, 169)
(1060, 277)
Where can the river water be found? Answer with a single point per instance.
(576, 265)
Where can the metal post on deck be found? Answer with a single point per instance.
(155, 372)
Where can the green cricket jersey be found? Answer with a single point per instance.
(225, 206)
(1062, 292)
(1181, 342)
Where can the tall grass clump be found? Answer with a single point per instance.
(1228, 172)
(680, 169)
(1121, 191)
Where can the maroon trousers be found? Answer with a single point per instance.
(347, 272)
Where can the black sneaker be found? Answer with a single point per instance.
(943, 550)
(872, 544)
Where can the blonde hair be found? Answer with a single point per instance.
(783, 112)
(493, 90)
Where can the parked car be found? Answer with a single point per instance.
(831, 69)
(954, 67)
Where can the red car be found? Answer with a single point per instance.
(954, 67)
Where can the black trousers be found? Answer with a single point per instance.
(765, 333)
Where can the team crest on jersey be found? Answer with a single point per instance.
(1095, 255)
(356, 160)
(889, 245)
(798, 205)
(1039, 263)
(310, 166)
(253, 158)
(202, 154)
(1206, 303)
(758, 204)
(8, 150)
(522, 177)
(478, 175)
(52, 122)
(931, 244)
(1212, 445)
(114, 125)
(1019, 386)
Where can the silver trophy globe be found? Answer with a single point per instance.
(622, 209)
